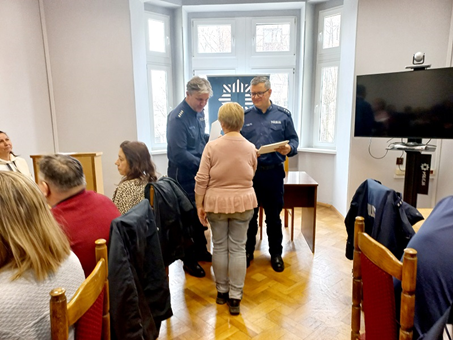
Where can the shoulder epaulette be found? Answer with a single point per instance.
(248, 110)
(180, 113)
(283, 109)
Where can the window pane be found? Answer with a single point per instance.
(159, 105)
(156, 33)
(214, 38)
(272, 38)
(329, 76)
(279, 83)
(331, 31)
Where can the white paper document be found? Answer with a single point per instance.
(271, 147)
(216, 131)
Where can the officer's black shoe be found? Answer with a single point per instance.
(204, 256)
(277, 263)
(194, 269)
(249, 259)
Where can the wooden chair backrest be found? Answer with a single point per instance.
(151, 196)
(366, 248)
(63, 314)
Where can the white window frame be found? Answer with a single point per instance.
(325, 58)
(150, 67)
(317, 109)
(153, 56)
(333, 51)
(246, 60)
(158, 61)
(204, 22)
(277, 20)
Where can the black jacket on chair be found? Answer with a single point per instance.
(139, 292)
(388, 219)
(176, 218)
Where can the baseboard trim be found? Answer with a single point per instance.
(330, 206)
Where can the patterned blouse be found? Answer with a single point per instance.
(128, 194)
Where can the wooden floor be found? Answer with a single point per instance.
(310, 300)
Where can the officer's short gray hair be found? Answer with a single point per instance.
(261, 79)
(200, 85)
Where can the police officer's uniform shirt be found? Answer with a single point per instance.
(273, 126)
(186, 137)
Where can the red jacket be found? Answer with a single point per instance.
(86, 217)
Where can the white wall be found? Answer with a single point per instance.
(345, 104)
(331, 170)
(388, 34)
(321, 167)
(91, 61)
(24, 97)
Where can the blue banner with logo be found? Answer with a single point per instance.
(231, 88)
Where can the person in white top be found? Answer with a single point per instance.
(8, 160)
(35, 257)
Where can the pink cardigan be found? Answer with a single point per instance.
(225, 176)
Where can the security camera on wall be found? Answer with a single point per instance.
(417, 62)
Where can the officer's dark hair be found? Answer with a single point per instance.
(139, 160)
(261, 79)
(201, 85)
(62, 171)
(231, 115)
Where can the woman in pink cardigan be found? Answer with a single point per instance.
(225, 197)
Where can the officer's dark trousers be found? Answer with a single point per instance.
(268, 185)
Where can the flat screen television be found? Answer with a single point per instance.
(410, 104)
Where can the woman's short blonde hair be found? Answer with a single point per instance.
(231, 115)
(30, 238)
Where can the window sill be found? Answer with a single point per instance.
(158, 152)
(318, 150)
(307, 150)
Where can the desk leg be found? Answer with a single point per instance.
(308, 226)
(292, 224)
(260, 221)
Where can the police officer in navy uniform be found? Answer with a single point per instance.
(186, 139)
(267, 123)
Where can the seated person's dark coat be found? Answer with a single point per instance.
(388, 219)
(176, 216)
(139, 292)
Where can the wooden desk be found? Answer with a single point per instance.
(301, 192)
(92, 168)
(425, 212)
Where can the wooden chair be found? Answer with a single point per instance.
(372, 288)
(88, 308)
(287, 212)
